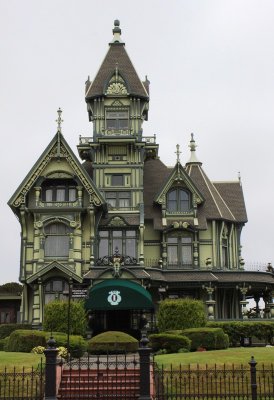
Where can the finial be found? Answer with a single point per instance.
(116, 31)
(193, 146)
(178, 152)
(59, 120)
(239, 177)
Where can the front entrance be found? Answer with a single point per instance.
(118, 320)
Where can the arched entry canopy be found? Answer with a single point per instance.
(119, 294)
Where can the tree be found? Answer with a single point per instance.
(11, 287)
(56, 317)
(180, 314)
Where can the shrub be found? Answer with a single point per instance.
(6, 329)
(77, 344)
(169, 342)
(3, 344)
(56, 317)
(112, 342)
(25, 340)
(181, 314)
(62, 351)
(237, 330)
(207, 338)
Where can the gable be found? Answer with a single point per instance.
(59, 151)
(179, 179)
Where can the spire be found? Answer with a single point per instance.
(59, 120)
(192, 146)
(116, 32)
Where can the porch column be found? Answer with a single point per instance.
(244, 302)
(210, 302)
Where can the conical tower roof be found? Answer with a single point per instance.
(115, 60)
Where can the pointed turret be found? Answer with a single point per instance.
(117, 100)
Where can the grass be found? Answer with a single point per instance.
(236, 356)
(19, 360)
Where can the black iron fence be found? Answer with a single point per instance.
(17, 384)
(214, 383)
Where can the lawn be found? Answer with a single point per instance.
(19, 360)
(236, 355)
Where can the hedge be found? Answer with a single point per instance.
(25, 340)
(237, 330)
(180, 314)
(207, 338)
(7, 329)
(112, 342)
(169, 342)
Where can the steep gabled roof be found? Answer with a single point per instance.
(57, 148)
(178, 175)
(117, 59)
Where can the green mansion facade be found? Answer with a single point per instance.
(123, 226)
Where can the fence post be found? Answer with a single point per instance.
(50, 369)
(253, 382)
(144, 354)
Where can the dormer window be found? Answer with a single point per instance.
(117, 120)
(178, 200)
(59, 190)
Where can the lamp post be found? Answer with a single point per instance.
(68, 316)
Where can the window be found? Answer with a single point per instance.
(117, 180)
(117, 120)
(178, 200)
(57, 289)
(179, 250)
(59, 190)
(118, 199)
(122, 240)
(224, 253)
(57, 240)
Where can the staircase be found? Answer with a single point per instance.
(101, 384)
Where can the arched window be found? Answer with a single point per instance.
(57, 240)
(59, 190)
(178, 200)
(56, 289)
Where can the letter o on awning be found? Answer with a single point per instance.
(118, 294)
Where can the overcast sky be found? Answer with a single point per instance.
(211, 68)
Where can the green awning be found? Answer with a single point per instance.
(118, 294)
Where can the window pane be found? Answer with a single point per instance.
(117, 244)
(117, 233)
(183, 195)
(124, 203)
(172, 254)
(111, 195)
(111, 202)
(72, 194)
(123, 195)
(57, 246)
(186, 255)
(60, 194)
(103, 233)
(103, 248)
(172, 195)
(49, 297)
(57, 286)
(111, 124)
(130, 247)
(131, 233)
(172, 240)
(49, 195)
(186, 239)
(117, 180)
(123, 124)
